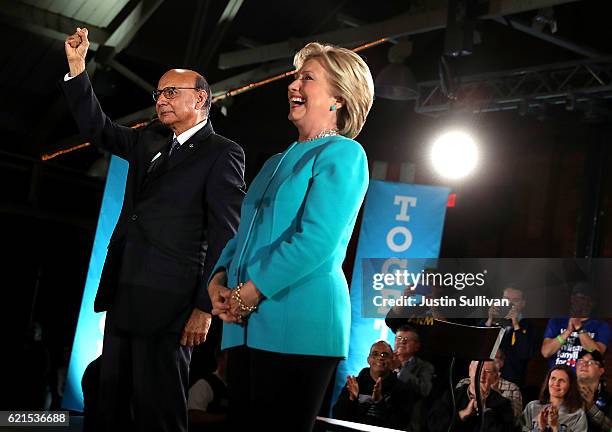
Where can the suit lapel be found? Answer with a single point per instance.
(180, 154)
(155, 146)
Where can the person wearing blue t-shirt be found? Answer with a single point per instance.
(564, 338)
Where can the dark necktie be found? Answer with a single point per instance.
(157, 161)
(175, 144)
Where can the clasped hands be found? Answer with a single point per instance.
(225, 306)
(353, 388)
(549, 416)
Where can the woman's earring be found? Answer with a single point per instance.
(332, 108)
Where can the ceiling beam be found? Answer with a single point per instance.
(260, 73)
(556, 40)
(354, 22)
(123, 35)
(136, 79)
(225, 22)
(118, 40)
(45, 23)
(195, 35)
(402, 25)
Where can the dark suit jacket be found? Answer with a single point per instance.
(417, 377)
(157, 264)
(498, 415)
(394, 410)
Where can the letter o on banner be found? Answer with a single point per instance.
(399, 247)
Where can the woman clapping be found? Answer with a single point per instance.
(559, 408)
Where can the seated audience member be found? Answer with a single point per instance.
(565, 337)
(520, 342)
(373, 397)
(559, 407)
(415, 375)
(497, 410)
(207, 403)
(507, 389)
(592, 388)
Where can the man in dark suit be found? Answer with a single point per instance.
(181, 205)
(415, 374)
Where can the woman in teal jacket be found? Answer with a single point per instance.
(286, 312)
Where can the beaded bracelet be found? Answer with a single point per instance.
(243, 306)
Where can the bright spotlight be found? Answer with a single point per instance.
(454, 154)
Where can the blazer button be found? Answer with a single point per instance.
(134, 217)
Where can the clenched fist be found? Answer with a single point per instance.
(76, 46)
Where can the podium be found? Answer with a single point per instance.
(333, 425)
(465, 342)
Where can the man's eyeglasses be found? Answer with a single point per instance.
(402, 339)
(170, 92)
(587, 362)
(382, 355)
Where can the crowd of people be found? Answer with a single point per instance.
(401, 390)
(572, 397)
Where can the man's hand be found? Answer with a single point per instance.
(575, 323)
(76, 47)
(377, 391)
(513, 315)
(493, 313)
(587, 394)
(469, 410)
(353, 387)
(396, 361)
(196, 329)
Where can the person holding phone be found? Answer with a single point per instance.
(520, 342)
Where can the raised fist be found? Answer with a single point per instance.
(76, 46)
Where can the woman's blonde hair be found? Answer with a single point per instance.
(350, 80)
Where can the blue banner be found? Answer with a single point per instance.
(399, 221)
(88, 337)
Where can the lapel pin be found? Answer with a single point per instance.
(190, 145)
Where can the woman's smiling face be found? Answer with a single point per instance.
(558, 384)
(310, 97)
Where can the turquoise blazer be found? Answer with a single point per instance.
(296, 222)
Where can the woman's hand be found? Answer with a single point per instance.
(250, 296)
(543, 418)
(220, 297)
(553, 418)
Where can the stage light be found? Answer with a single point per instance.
(454, 154)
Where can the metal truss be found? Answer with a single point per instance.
(561, 83)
